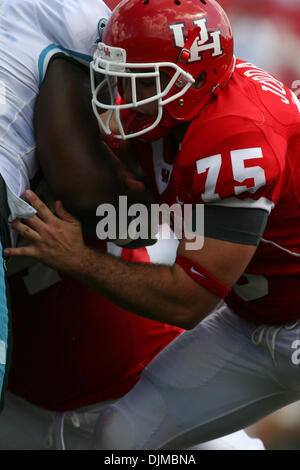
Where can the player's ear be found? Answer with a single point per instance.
(200, 80)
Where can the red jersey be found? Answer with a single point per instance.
(74, 348)
(243, 150)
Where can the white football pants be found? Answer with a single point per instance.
(222, 376)
(27, 427)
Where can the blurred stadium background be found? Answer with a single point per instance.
(267, 33)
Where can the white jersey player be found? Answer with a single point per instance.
(32, 32)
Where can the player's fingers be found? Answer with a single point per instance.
(29, 250)
(43, 212)
(135, 185)
(25, 230)
(34, 222)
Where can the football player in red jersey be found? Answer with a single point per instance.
(234, 134)
(75, 352)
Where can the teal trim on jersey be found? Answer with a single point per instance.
(42, 60)
(51, 47)
(3, 322)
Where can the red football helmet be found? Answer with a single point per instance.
(190, 40)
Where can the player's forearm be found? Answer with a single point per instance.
(151, 291)
(162, 293)
(74, 160)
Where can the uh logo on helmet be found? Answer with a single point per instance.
(206, 41)
(210, 56)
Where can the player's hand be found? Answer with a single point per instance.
(125, 175)
(128, 178)
(131, 176)
(55, 240)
